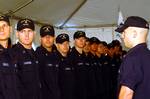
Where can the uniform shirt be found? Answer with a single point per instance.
(8, 78)
(78, 61)
(106, 76)
(95, 76)
(49, 69)
(42, 55)
(115, 63)
(29, 84)
(99, 75)
(66, 76)
(135, 71)
(91, 76)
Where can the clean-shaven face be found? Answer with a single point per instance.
(47, 41)
(127, 36)
(64, 47)
(80, 42)
(4, 30)
(26, 36)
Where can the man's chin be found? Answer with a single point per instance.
(28, 43)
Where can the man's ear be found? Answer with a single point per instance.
(40, 39)
(34, 32)
(134, 34)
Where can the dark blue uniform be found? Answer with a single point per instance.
(8, 78)
(49, 69)
(115, 64)
(78, 61)
(94, 76)
(100, 81)
(29, 84)
(106, 75)
(135, 71)
(91, 80)
(66, 76)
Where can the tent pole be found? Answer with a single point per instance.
(19, 8)
(74, 12)
(112, 33)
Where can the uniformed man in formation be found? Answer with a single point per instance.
(78, 62)
(66, 69)
(88, 70)
(48, 69)
(8, 68)
(26, 60)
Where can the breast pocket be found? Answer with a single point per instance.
(27, 66)
(5, 68)
(27, 72)
(6, 74)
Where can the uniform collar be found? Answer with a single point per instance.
(74, 50)
(137, 47)
(44, 49)
(20, 46)
(2, 48)
(60, 55)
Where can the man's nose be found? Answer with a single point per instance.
(1, 29)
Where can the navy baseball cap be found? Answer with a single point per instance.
(133, 21)
(79, 34)
(25, 23)
(116, 43)
(62, 38)
(94, 40)
(5, 18)
(47, 30)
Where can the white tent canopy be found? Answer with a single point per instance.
(75, 13)
(95, 17)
